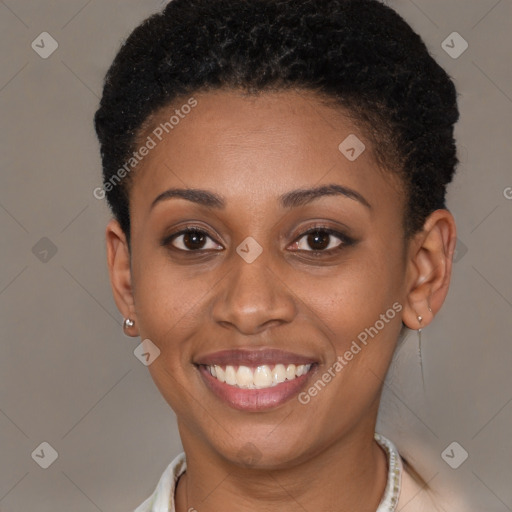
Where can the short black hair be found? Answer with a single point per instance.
(359, 53)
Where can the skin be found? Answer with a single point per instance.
(251, 150)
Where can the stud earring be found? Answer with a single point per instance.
(128, 322)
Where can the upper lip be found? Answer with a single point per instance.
(251, 357)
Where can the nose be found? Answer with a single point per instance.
(253, 298)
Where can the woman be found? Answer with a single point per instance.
(277, 173)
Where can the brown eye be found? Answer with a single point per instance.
(193, 240)
(321, 240)
(318, 240)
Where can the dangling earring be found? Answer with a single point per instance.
(420, 319)
(128, 322)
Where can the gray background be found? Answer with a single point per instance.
(68, 375)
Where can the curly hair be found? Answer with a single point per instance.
(359, 54)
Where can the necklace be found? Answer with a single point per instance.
(393, 484)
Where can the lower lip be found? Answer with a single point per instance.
(254, 400)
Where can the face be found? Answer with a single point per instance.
(293, 254)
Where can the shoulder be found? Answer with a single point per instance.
(415, 496)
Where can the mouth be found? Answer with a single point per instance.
(255, 380)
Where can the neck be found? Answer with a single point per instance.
(349, 475)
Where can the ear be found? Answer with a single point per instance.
(118, 259)
(429, 269)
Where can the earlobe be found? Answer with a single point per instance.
(118, 260)
(429, 269)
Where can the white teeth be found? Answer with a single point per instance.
(230, 375)
(279, 373)
(244, 377)
(219, 373)
(262, 377)
(290, 371)
(258, 378)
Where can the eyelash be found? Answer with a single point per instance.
(345, 240)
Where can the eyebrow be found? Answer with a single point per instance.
(291, 199)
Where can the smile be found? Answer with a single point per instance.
(261, 377)
(253, 379)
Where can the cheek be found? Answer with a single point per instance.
(168, 304)
(168, 300)
(354, 297)
(361, 306)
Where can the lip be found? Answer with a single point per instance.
(253, 358)
(255, 400)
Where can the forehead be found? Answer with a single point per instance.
(256, 147)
